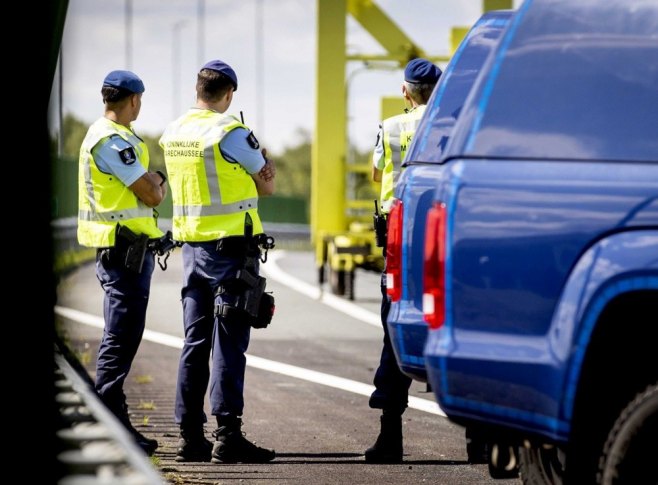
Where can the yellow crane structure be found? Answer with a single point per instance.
(341, 223)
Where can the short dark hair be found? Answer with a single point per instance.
(420, 93)
(212, 85)
(112, 94)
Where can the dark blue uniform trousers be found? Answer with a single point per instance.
(124, 309)
(391, 385)
(204, 270)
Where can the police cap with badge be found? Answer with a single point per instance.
(128, 81)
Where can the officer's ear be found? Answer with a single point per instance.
(407, 97)
(405, 93)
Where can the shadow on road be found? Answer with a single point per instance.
(284, 458)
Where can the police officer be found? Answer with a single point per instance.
(394, 137)
(217, 172)
(116, 197)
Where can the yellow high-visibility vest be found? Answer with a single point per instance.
(398, 132)
(103, 200)
(211, 195)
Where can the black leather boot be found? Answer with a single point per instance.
(232, 447)
(388, 447)
(193, 445)
(148, 445)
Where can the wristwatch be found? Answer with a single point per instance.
(164, 178)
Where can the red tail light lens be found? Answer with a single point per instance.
(434, 266)
(394, 251)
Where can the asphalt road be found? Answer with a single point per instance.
(308, 377)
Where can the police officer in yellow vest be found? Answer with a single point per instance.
(395, 134)
(116, 197)
(217, 171)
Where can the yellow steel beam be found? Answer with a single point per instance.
(497, 5)
(329, 140)
(396, 43)
(401, 59)
(457, 34)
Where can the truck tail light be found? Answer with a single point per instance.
(434, 273)
(394, 251)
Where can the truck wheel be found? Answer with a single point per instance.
(476, 446)
(337, 281)
(503, 461)
(542, 465)
(349, 284)
(321, 275)
(629, 454)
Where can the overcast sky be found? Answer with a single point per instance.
(94, 43)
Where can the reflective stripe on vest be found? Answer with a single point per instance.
(210, 194)
(398, 133)
(103, 200)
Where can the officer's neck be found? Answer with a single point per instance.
(121, 117)
(219, 106)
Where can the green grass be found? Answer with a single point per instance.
(149, 405)
(143, 379)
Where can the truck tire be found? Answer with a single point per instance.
(629, 454)
(476, 446)
(349, 284)
(542, 465)
(337, 281)
(503, 461)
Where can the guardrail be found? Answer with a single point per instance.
(93, 446)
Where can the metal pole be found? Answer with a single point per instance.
(60, 101)
(175, 66)
(129, 34)
(201, 32)
(260, 71)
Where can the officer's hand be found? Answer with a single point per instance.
(268, 172)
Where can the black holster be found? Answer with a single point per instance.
(130, 248)
(253, 305)
(381, 228)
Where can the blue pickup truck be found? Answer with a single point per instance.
(541, 251)
(415, 188)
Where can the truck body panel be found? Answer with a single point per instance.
(522, 236)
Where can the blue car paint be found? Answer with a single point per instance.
(617, 264)
(416, 184)
(551, 213)
(600, 61)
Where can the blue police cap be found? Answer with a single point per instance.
(225, 69)
(421, 71)
(125, 80)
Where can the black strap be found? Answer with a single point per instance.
(248, 226)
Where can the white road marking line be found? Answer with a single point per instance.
(272, 270)
(259, 363)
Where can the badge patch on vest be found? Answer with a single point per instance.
(128, 156)
(251, 139)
